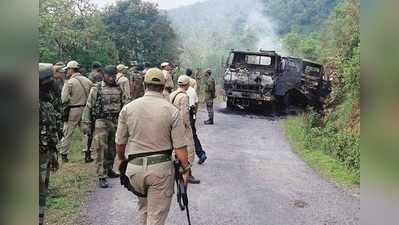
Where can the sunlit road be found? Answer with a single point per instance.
(252, 177)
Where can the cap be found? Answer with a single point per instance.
(164, 64)
(96, 65)
(154, 76)
(110, 70)
(208, 71)
(72, 65)
(121, 67)
(60, 63)
(183, 80)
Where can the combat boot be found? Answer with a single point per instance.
(208, 122)
(112, 174)
(64, 158)
(102, 182)
(192, 180)
(202, 159)
(88, 158)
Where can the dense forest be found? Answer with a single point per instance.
(130, 30)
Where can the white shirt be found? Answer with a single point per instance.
(192, 96)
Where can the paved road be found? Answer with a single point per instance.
(252, 177)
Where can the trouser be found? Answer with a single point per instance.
(104, 146)
(44, 176)
(158, 181)
(199, 151)
(209, 108)
(73, 121)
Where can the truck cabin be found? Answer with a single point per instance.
(253, 61)
(312, 69)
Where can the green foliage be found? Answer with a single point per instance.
(301, 16)
(141, 33)
(131, 30)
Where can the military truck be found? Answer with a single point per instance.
(301, 82)
(249, 77)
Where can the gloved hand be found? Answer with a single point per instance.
(86, 128)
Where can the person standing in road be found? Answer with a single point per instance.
(193, 82)
(150, 128)
(74, 96)
(209, 95)
(103, 106)
(48, 138)
(123, 83)
(136, 81)
(193, 105)
(169, 85)
(96, 74)
(180, 99)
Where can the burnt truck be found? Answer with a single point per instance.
(250, 77)
(265, 77)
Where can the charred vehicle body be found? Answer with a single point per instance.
(301, 82)
(253, 78)
(250, 77)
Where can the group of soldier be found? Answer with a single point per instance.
(137, 113)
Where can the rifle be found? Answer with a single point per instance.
(90, 136)
(182, 197)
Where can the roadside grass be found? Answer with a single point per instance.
(323, 164)
(70, 187)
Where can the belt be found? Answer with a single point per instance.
(76, 106)
(151, 160)
(152, 157)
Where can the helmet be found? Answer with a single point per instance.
(96, 65)
(154, 76)
(46, 71)
(183, 80)
(110, 70)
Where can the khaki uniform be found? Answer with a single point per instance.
(169, 85)
(75, 92)
(180, 99)
(151, 124)
(210, 95)
(124, 85)
(193, 83)
(104, 104)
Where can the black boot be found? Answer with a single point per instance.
(193, 180)
(208, 122)
(112, 174)
(64, 158)
(102, 182)
(88, 158)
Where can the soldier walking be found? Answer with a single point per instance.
(136, 81)
(149, 128)
(103, 106)
(169, 85)
(193, 106)
(209, 95)
(48, 138)
(74, 97)
(180, 99)
(123, 83)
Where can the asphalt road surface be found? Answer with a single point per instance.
(251, 177)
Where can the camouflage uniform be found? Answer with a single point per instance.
(209, 95)
(103, 106)
(48, 139)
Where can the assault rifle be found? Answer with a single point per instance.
(182, 197)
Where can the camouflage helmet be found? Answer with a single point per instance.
(110, 70)
(46, 71)
(154, 76)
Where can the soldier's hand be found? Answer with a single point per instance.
(54, 165)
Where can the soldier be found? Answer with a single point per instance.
(136, 81)
(169, 85)
(193, 104)
(209, 95)
(149, 128)
(74, 97)
(180, 99)
(102, 108)
(193, 82)
(48, 138)
(123, 83)
(96, 74)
